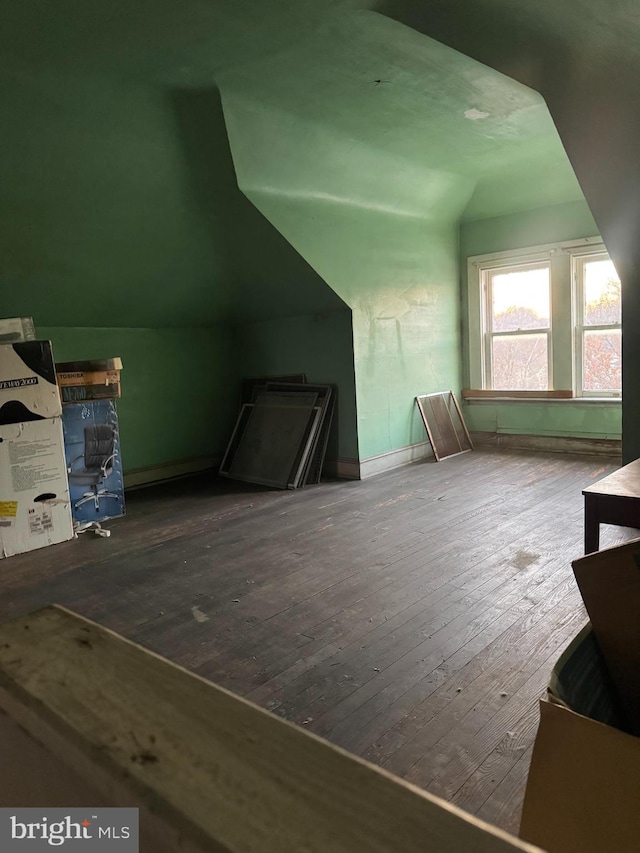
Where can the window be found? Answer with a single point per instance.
(545, 319)
(598, 330)
(518, 329)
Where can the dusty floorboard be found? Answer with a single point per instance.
(412, 618)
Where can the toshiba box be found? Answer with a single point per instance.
(81, 381)
(34, 495)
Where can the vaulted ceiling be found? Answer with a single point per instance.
(119, 203)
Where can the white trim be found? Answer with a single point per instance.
(395, 459)
(562, 322)
(578, 263)
(487, 272)
(542, 401)
(155, 473)
(541, 252)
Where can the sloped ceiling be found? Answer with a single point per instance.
(389, 116)
(119, 204)
(584, 57)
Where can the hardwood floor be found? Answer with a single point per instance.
(412, 618)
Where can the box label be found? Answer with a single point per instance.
(96, 377)
(6, 384)
(40, 520)
(8, 512)
(8, 509)
(32, 463)
(80, 393)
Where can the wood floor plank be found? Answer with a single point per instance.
(458, 755)
(487, 672)
(444, 632)
(497, 808)
(477, 656)
(412, 618)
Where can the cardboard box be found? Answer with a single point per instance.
(34, 496)
(28, 389)
(584, 779)
(109, 390)
(89, 380)
(94, 466)
(15, 329)
(94, 365)
(609, 582)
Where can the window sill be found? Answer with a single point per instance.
(564, 401)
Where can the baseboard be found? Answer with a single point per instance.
(419, 452)
(156, 473)
(352, 469)
(395, 459)
(344, 469)
(548, 443)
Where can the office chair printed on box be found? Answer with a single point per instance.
(99, 453)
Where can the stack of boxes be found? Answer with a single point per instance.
(60, 466)
(35, 508)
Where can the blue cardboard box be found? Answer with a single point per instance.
(94, 466)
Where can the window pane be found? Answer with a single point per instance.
(602, 360)
(602, 300)
(520, 363)
(520, 300)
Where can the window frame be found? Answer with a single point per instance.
(488, 333)
(564, 332)
(579, 261)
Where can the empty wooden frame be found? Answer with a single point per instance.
(445, 426)
(280, 438)
(272, 439)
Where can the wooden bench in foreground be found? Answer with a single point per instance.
(88, 718)
(613, 500)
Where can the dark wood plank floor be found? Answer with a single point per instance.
(412, 619)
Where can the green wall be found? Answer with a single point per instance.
(368, 179)
(120, 207)
(574, 420)
(400, 277)
(531, 228)
(551, 224)
(179, 388)
(399, 274)
(124, 233)
(583, 58)
(321, 346)
(358, 142)
(406, 330)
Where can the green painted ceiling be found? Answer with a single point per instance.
(388, 116)
(116, 174)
